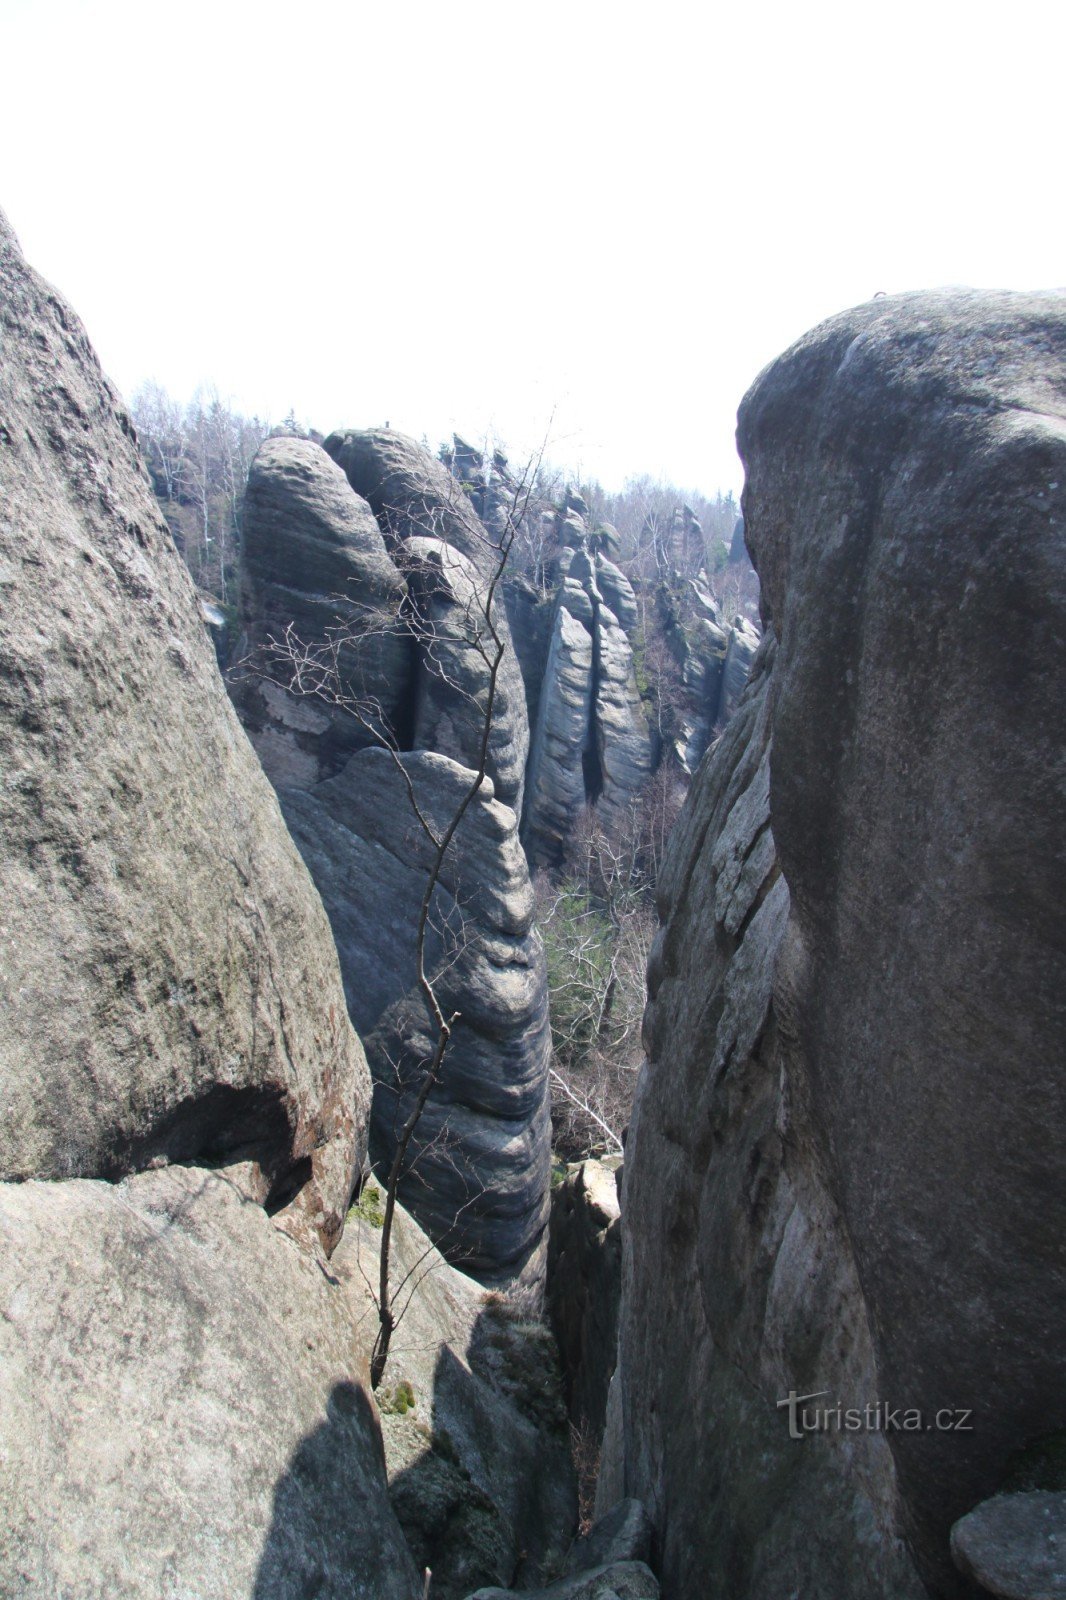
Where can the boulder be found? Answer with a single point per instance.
(1014, 1545)
(841, 1134)
(168, 986)
(315, 567)
(479, 1182)
(185, 1408)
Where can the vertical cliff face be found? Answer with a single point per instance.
(389, 554)
(161, 938)
(178, 1074)
(840, 1177)
(591, 742)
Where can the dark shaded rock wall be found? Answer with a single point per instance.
(845, 1169)
(584, 1285)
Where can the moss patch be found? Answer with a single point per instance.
(370, 1206)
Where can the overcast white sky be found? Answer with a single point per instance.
(605, 217)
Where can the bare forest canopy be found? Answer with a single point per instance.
(198, 455)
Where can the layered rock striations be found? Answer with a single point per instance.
(184, 1406)
(591, 742)
(415, 498)
(844, 1175)
(478, 1176)
(316, 569)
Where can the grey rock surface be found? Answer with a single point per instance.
(183, 1407)
(1014, 1545)
(622, 1534)
(562, 736)
(480, 1180)
(737, 1284)
(314, 563)
(916, 792)
(585, 1284)
(168, 986)
(623, 741)
(414, 496)
(476, 1441)
(591, 744)
(841, 1136)
(620, 1580)
(618, 592)
(743, 643)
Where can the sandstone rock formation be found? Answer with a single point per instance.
(315, 562)
(479, 1172)
(840, 1176)
(415, 497)
(591, 742)
(480, 1179)
(476, 1441)
(184, 1405)
(168, 986)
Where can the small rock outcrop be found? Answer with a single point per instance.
(841, 1133)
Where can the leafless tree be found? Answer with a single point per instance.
(321, 669)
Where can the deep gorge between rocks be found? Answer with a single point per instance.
(843, 1171)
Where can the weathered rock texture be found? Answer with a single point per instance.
(183, 1399)
(845, 1168)
(475, 1431)
(478, 1176)
(1014, 1545)
(185, 1409)
(415, 497)
(168, 986)
(591, 742)
(584, 1284)
(315, 567)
